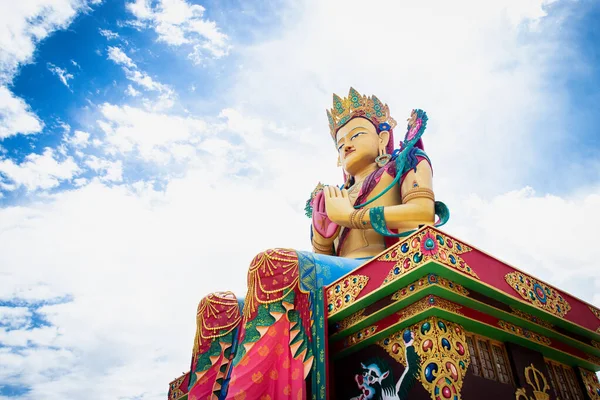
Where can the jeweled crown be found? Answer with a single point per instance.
(357, 105)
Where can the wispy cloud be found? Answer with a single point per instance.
(61, 73)
(21, 28)
(108, 34)
(178, 23)
(133, 73)
(38, 171)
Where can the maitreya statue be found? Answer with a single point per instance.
(266, 345)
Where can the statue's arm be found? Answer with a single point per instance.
(418, 204)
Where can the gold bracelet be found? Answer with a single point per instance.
(418, 193)
(352, 216)
(322, 247)
(363, 224)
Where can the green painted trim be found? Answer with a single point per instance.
(384, 333)
(434, 267)
(523, 323)
(473, 326)
(379, 293)
(522, 305)
(500, 334)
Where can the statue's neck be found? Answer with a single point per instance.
(363, 173)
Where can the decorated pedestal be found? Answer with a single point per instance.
(479, 327)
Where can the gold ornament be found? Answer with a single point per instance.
(345, 292)
(537, 381)
(590, 383)
(524, 333)
(442, 348)
(538, 293)
(422, 247)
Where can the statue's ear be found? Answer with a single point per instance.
(385, 375)
(363, 366)
(384, 138)
(339, 162)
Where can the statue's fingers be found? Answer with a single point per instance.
(322, 202)
(337, 191)
(345, 193)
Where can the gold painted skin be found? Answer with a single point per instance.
(358, 146)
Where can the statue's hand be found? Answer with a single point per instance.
(321, 222)
(338, 205)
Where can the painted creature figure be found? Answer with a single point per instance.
(269, 348)
(376, 380)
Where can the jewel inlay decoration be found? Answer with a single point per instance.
(538, 293)
(422, 247)
(345, 292)
(443, 352)
(590, 383)
(524, 333)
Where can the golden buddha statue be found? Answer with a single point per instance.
(268, 350)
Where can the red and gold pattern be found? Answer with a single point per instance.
(532, 318)
(596, 312)
(525, 333)
(178, 388)
(425, 246)
(273, 274)
(345, 293)
(352, 319)
(217, 315)
(424, 282)
(441, 346)
(537, 293)
(538, 383)
(590, 383)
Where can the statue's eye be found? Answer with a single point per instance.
(356, 135)
(340, 147)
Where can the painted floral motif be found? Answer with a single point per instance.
(541, 295)
(525, 333)
(443, 353)
(591, 384)
(422, 247)
(344, 293)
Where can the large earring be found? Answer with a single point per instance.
(383, 158)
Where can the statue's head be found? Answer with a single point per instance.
(361, 128)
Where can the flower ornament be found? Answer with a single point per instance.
(429, 245)
(384, 126)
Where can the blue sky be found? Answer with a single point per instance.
(139, 140)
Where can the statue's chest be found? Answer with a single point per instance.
(390, 197)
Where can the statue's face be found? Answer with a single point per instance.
(358, 145)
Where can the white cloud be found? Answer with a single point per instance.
(108, 34)
(152, 134)
(14, 317)
(166, 97)
(16, 116)
(131, 91)
(178, 23)
(22, 26)
(113, 170)
(79, 139)
(39, 171)
(62, 74)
